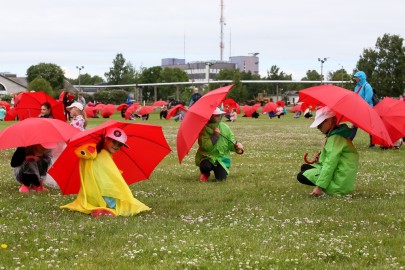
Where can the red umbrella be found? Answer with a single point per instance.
(392, 113)
(61, 95)
(28, 105)
(172, 112)
(281, 103)
(90, 111)
(348, 106)
(122, 106)
(145, 110)
(296, 108)
(36, 131)
(231, 105)
(5, 104)
(269, 107)
(107, 110)
(160, 103)
(11, 115)
(99, 106)
(147, 147)
(196, 118)
(249, 110)
(131, 110)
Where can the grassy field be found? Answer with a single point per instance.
(260, 218)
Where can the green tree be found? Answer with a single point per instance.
(41, 85)
(172, 75)
(50, 72)
(311, 75)
(385, 65)
(86, 79)
(150, 75)
(277, 75)
(341, 75)
(240, 92)
(122, 72)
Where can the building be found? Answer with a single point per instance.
(246, 63)
(199, 71)
(11, 84)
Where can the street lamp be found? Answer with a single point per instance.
(322, 61)
(80, 68)
(208, 65)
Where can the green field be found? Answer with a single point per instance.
(260, 218)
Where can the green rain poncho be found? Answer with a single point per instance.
(218, 152)
(336, 170)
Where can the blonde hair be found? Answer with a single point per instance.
(80, 112)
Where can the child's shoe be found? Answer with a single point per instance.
(204, 177)
(38, 188)
(24, 189)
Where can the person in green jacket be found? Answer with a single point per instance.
(216, 141)
(334, 170)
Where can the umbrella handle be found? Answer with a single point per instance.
(315, 159)
(238, 150)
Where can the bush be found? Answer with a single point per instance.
(111, 96)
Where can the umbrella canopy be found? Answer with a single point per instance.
(36, 131)
(145, 110)
(11, 115)
(107, 110)
(147, 147)
(269, 107)
(281, 103)
(5, 104)
(172, 112)
(160, 103)
(231, 104)
(249, 110)
(122, 106)
(348, 106)
(196, 118)
(28, 105)
(131, 109)
(392, 113)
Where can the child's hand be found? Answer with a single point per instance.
(317, 191)
(217, 131)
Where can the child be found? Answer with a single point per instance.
(334, 172)
(103, 190)
(216, 141)
(77, 116)
(30, 165)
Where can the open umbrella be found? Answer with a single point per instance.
(147, 147)
(392, 113)
(131, 110)
(348, 106)
(196, 118)
(122, 106)
(5, 104)
(269, 107)
(11, 115)
(145, 110)
(172, 112)
(107, 110)
(231, 104)
(36, 131)
(160, 103)
(28, 105)
(281, 103)
(249, 110)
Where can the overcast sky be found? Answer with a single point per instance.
(291, 34)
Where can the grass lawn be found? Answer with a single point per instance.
(260, 218)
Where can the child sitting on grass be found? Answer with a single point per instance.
(334, 171)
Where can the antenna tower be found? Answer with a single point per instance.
(222, 22)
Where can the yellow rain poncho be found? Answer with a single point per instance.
(100, 177)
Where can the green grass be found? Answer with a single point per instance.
(260, 218)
